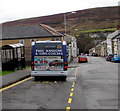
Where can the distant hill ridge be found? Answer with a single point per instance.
(89, 19)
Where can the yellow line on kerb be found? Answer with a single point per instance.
(67, 108)
(2, 89)
(72, 89)
(71, 94)
(70, 100)
(73, 83)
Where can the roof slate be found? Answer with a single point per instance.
(51, 30)
(113, 35)
(27, 31)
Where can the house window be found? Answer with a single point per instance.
(57, 39)
(21, 41)
(32, 40)
(73, 44)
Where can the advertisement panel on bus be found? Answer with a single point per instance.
(48, 63)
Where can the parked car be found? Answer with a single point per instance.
(115, 58)
(94, 54)
(82, 59)
(56, 63)
(108, 58)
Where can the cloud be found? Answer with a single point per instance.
(17, 9)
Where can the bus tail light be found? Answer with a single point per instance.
(65, 66)
(32, 65)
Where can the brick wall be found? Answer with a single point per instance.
(27, 44)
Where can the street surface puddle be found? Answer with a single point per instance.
(71, 79)
(108, 102)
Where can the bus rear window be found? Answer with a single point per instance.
(48, 46)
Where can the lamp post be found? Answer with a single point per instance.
(65, 21)
(65, 24)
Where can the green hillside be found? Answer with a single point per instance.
(81, 24)
(82, 20)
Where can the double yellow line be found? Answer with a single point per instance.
(71, 95)
(10, 86)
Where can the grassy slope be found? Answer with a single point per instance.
(99, 30)
(2, 73)
(83, 20)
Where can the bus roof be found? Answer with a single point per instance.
(64, 43)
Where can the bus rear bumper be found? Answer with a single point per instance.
(49, 73)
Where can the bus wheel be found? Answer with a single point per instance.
(64, 78)
(36, 78)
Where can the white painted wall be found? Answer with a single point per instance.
(115, 46)
(109, 42)
(74, 47)
(118, 46)
(109, 46)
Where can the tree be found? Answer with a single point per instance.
(84, 43)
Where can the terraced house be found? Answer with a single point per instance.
(25, 34)
(110, 46)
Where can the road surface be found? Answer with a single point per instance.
(92, 85)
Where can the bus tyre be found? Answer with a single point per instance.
(64, 78)
(36, 78)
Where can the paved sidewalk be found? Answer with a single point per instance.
(13, 77)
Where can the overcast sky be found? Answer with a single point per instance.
(19, 9)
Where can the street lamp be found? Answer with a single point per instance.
(65, 21)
